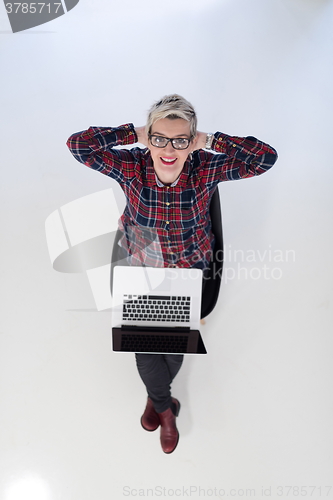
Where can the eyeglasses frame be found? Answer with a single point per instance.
(170, 140)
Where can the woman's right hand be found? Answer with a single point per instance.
(142, 136)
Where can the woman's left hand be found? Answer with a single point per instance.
(199, 142)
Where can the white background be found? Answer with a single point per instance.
(257, 410)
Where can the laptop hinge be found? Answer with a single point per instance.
(167, 329)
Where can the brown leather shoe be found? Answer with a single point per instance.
(150, 420)
(169, 432)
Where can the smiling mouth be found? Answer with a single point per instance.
(168, 161)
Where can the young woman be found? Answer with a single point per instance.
(168, 187)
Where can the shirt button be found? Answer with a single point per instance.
(234, 145)
(167, 203)
(167, 222)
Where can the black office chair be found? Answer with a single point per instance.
(213, 280)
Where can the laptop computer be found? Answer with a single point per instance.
(157, 310)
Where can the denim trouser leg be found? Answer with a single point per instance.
(157, 371)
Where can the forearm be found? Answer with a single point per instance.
(85, 145)
(246, 156)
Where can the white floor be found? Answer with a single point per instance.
(256, 410)
(256, 416)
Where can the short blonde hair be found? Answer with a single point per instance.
(172, 106)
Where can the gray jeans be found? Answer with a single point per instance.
(157, 371)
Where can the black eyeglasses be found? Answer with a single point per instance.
(161, 142)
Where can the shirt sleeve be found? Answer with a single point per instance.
(95, 148)
(242, 156)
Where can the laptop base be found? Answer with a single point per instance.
(157, 340)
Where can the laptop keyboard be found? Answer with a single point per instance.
(154, 343)
(156, 308)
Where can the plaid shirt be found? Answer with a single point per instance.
(169, 225)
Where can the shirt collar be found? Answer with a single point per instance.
(160, 184)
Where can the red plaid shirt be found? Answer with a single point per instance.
(177, 216)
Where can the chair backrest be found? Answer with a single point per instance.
(213, 280)
(117, 255)
(212, 283)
